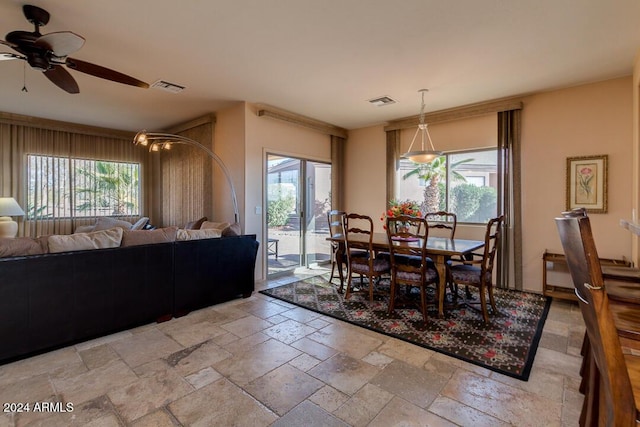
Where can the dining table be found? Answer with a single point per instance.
(439, 249)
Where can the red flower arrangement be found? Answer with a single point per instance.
(397, 208)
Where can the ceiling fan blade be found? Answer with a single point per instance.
(5, 56)
(61, 43)
(6, 43)
(61, 78)
(104, 73)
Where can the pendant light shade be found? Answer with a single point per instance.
(422, 155)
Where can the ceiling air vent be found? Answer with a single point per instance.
(382, 100)
(169, 87)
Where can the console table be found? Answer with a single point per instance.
(556, 280)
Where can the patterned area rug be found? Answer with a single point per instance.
(507, 344)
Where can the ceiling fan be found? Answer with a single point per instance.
(50, 52)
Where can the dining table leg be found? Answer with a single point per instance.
(441, 267)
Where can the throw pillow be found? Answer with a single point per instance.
(198, 234)
(83, 241)
(207, 225)
(232, 230)
(20, 246)
(84, 229)
(195, 225)
(148, 237)
(105, 223)
(139, 224)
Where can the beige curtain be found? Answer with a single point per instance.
(17, 141)
(187, 179)
(337, 172)
(509, 263)
(393, 162)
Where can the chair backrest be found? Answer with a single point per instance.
(579, 246)
(356, 224)
(442, 220)
(492, 239)
(336, 224)
(408, 235)
(571, 230)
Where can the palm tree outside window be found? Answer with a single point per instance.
(464, 183)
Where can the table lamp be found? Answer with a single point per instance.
(8, 208)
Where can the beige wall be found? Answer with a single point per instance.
(584, 120)
(364, 173)
(246, 139)
(229, 145)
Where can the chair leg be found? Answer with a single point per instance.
(333, 269)
(370, 288)
(348, 291)
(492, 299)
(392, 296)
(423, 302)
(483, 304)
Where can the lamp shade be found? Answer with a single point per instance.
(9, 207)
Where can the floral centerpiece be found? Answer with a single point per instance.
(397, 208)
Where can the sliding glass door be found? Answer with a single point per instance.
(298, 199)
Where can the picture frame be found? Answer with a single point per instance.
(587, 183)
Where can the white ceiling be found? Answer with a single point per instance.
(323, 58)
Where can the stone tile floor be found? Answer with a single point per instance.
(264, 362)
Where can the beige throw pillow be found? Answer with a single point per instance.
(83, 241)
(148, 237)
(198, 234)
(21, 246)
(105, 223)
(195, 225)
(232, 230)
(208, 225)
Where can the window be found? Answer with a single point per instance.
(464, 183)
(62, 187)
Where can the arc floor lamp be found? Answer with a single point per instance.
(157, 141)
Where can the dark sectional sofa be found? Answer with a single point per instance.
(53, 300)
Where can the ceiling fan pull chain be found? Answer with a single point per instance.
(24, 77)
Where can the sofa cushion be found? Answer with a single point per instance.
(148, 237)
(198, 234)
(195, 225)
(105, 223)
(110, 238)
(21, 246)
(139, 224)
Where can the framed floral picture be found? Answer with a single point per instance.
(587, 183)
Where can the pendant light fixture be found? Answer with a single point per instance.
(422, 156)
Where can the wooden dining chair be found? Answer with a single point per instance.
(478, 272)
(441, 220)
(361, 255)
(612, 377)
(625, 308)
(410, 264)
(335, 219)
(445, 224)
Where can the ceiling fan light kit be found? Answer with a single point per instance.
(48, 53)
(422, 155)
